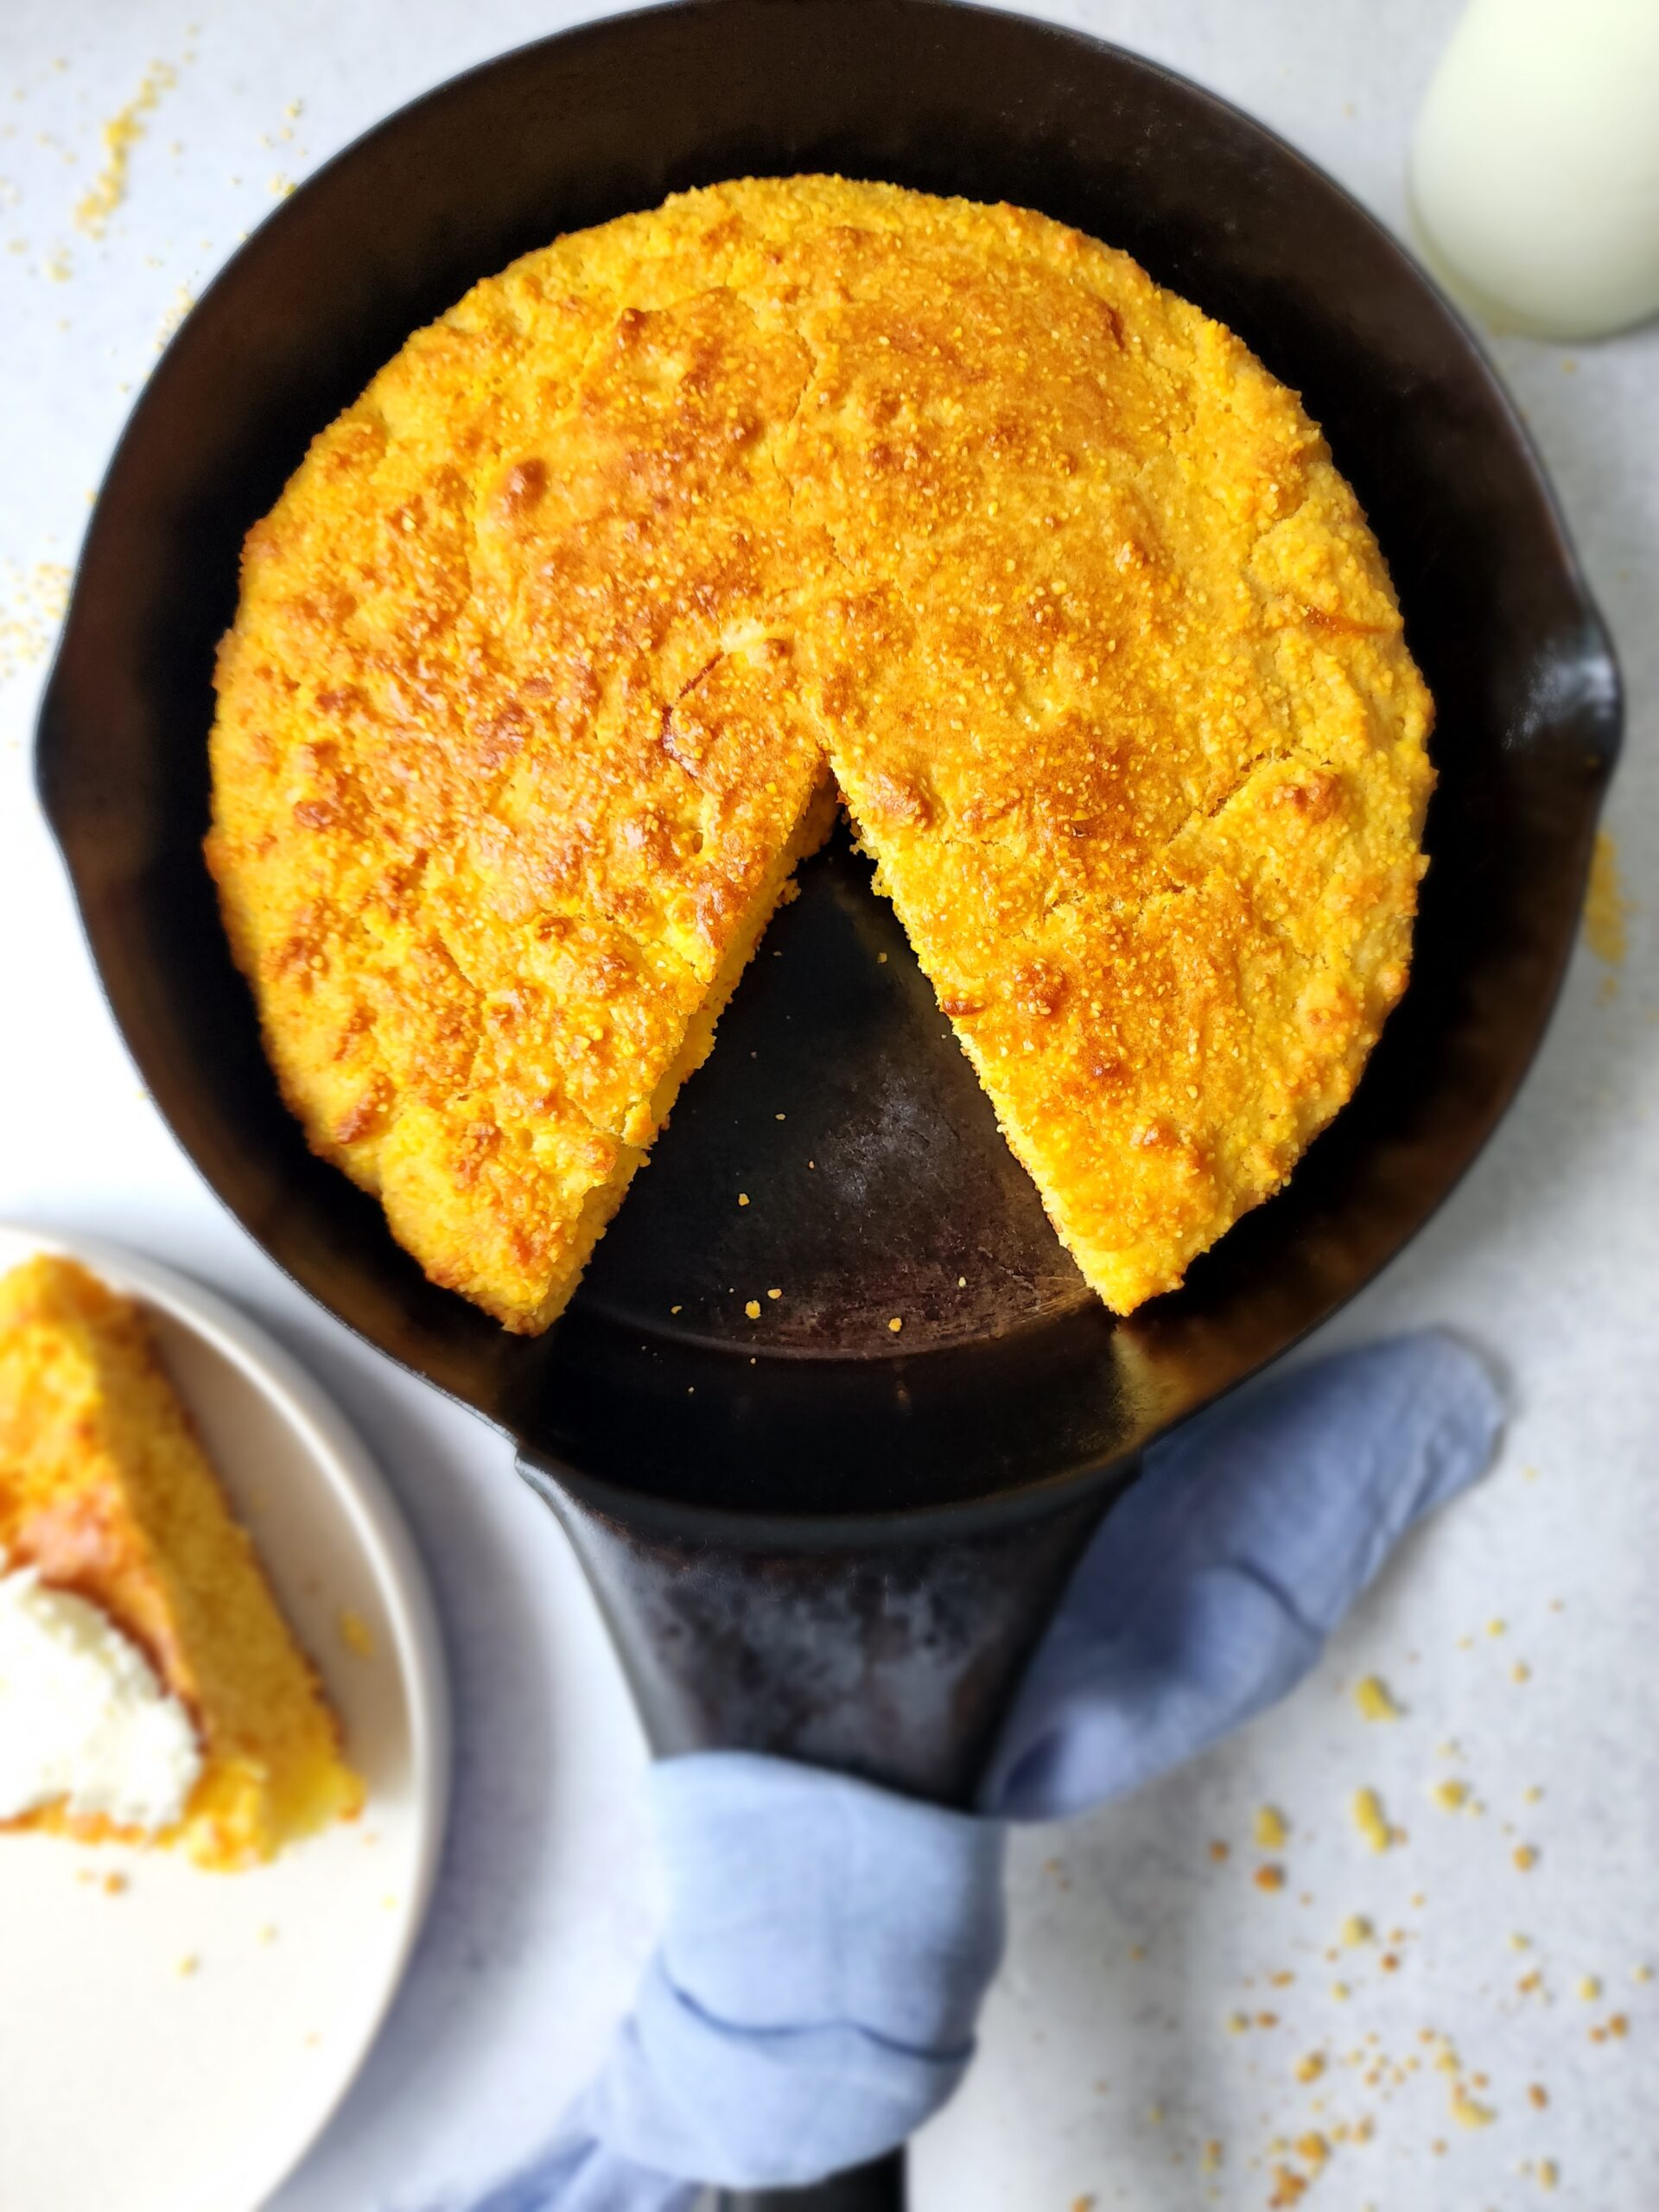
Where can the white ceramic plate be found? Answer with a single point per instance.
(175, 2045)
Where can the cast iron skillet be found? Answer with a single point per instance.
(812, 1533)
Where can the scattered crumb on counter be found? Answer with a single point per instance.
(742, 1197)
(1537, 2095)
(1589, 1987)
(120, 134)
(895, 1324)
(1526, 1857)
(1371, 1822)
(189, 1964)
(1220, 1851)
(115, 1885)
(753, 1309)
(1268, 1877)
(1374, 1699)
(1607, 907)
(1356, 1930)
(774, 1293)
(1272, 1829)
(1451, 1794)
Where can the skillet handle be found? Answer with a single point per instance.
(879, 2187)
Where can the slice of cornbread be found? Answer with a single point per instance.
(105, 1489)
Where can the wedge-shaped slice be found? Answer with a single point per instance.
(508, 779)
(105, 1492)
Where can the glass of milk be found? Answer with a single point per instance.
(1535, 176)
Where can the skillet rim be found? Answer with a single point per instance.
(733, 1528)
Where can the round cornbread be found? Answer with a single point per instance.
(552, 657)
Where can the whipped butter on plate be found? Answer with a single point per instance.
(84, 1721)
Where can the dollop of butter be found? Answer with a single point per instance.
(84, 1721)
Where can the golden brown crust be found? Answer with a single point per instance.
(541, 655)
(105, 1489)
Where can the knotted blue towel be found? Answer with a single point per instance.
(826, 1944)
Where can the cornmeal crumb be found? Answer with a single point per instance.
(1356, 1930)
(1452, 1796)
(1370, 1820)
(1538, 2096)
(1467, 2112)
(1590, 1988)
(1272, 1829)
(1218, 1851)
(895, 1324)
(1526, 1857)
(356, 1634)
(1310, 2068)
(742, 1197)
(1269, 1877)
(1374, 1700)
(774, 1293)
(1548, 2173)
(114, 1884)
(753, 1309)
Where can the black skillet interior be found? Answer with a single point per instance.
(878, 1187)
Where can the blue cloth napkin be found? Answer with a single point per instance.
(827, 1943)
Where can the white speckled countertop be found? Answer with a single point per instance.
(1515, 1633)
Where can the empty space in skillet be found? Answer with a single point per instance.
(1012, 1376)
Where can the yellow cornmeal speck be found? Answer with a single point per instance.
(120, 134)
(895, 1324)
(1272, 1829)
(1468, 2113)
(1607, 908)
(1341, 1991)
(1211, 2158)
(268, 1933)
(1237, 2024)
(1520, 1943)
(1452, 1796)
(1548, 2173)
(1533, 1794)
(1373, 1698)
(1643, 1974)
(34, 600)
(1497, 1628)
(774, 1293)
(1312, 2148)
(1356, 1930)
(114, 1884)
(188, 1964)
(1370, 1820)
(742, 1197)
(356, 1634)
(1526, 1857)
(1520, 1672)
(1590, 1987)
(1310, 2068)
(1156, 2115)
(183, 300)
(1269, 1877)
(753, 1309)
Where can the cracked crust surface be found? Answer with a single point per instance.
(545, 657)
